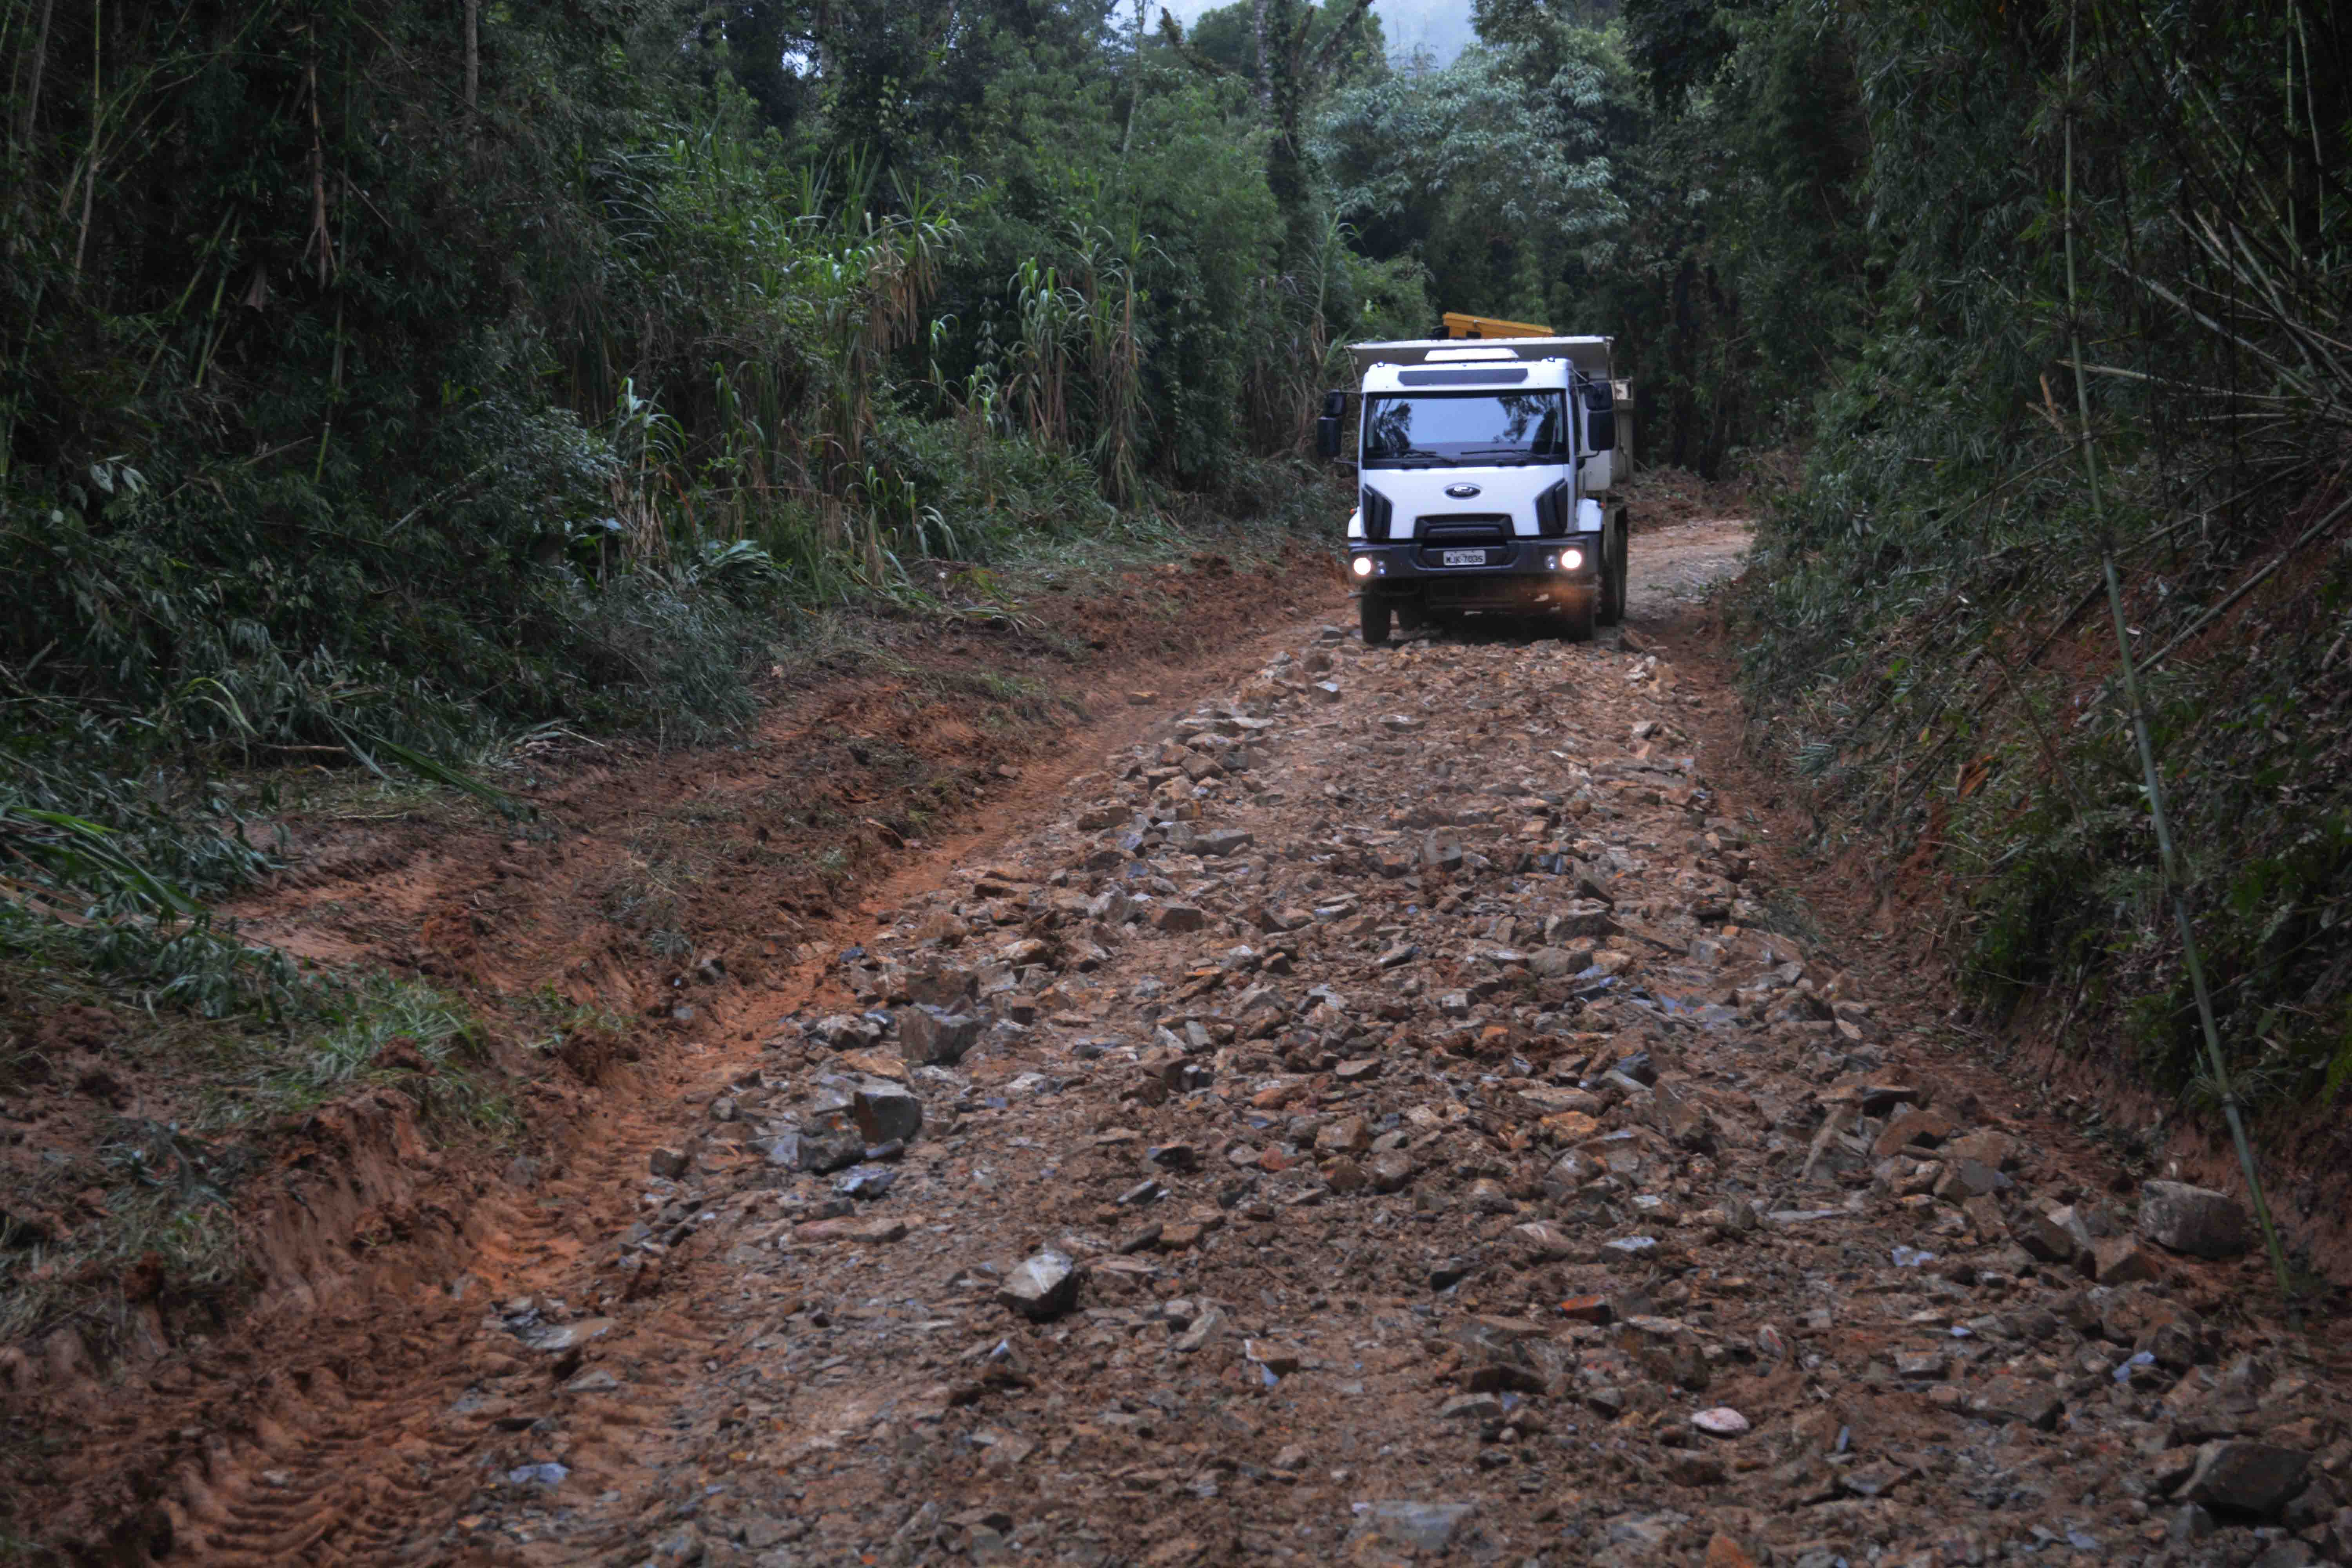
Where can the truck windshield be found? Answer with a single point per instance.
(1483, 428)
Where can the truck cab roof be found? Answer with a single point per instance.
(1588, 356)
(1545, 374)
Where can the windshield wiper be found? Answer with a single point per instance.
(1414, 452)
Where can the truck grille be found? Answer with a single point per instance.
(1478, 528)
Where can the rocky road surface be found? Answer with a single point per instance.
(1376, 1118)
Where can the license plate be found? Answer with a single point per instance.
(1463, 557)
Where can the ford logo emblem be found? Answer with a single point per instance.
(1462, 492)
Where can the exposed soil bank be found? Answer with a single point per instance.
(676, 898)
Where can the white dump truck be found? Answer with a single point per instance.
(1484, 466)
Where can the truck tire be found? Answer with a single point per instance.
(1612, 572)
(1372, 619)
(1575, 621)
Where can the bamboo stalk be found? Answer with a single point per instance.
(97, 125)
(40, 54)
(2176, 885)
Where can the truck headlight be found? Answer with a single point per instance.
(1572, 560)
(1361, 566)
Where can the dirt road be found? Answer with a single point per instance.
(1392, 1108)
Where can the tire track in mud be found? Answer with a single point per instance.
(363, 1455)
(358, 1432)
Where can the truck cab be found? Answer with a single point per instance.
(1485, 468)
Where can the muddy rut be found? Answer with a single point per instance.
(1379, 1105)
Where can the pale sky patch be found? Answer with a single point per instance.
(1443, 25)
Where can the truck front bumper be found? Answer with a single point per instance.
(1520, 573)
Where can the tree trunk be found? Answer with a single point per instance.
(473, 55)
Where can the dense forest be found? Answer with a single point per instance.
(383, 380)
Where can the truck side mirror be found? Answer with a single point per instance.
(1327, 428)
(1599, 419)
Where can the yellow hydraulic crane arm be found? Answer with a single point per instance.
(1459, 324)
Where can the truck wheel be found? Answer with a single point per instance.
(1613, 575)
(1372, 619)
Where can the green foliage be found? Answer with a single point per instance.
(1228, 36)
(571, 366)
(1687, 182)
(370, 1030)
(1492, 171)
(1926, 607)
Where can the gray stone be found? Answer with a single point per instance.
(2187, 1524)
(1568, 1174)
(1178, 917)
(1911, 1132)
(1544, 1241)
(2044, 1238)
(942, 986)
(564, 1336)
(1487, 1197)
(2198, 1221)
(2020, 1400)
(2244, 1477)
(1222, 841)
(2086, 1223)
(1390, 1170)
(2120, 1260)
(667, 1163)
(887, 1110)
(1929, 1365)
(1966, 1178)
(1677, 1111)
(1559, 963)
(1421, 1526)
(1591, 924)
(866, 1182)
(928, 1035)
(1647, 1533)
(1043, 1287)
(821, 1154)
(1210, 1325)
(1667, 1349)
(2286, 1554)
(847, 1031)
